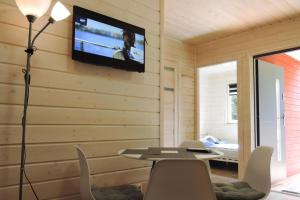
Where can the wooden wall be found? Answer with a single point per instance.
(242, 47)
(102, 109)
(182, 55)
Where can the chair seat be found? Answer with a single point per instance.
(236, 191)
(123, 192)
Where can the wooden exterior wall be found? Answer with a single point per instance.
(102, 109)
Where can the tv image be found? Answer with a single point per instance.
(102, 40)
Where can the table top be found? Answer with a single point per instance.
(160, 153)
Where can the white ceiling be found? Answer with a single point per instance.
(203, 20)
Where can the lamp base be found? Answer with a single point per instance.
(31, 18)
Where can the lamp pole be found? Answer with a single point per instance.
(30, 50)
(26, 72)
(34, 9)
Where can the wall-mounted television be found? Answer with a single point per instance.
(102, 40)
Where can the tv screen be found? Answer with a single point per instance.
(102, 40)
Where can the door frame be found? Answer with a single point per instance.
(256, 89)
(197, 93)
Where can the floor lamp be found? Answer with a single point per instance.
(34, 9)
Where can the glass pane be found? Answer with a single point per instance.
(234, 107)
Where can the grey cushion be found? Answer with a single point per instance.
(123, 192)
(236, 191)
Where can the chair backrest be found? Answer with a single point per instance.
(85, 184)
(191, 144)
(195, 144)
(178, 180)
(257, 173)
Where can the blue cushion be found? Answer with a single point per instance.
(123, 192)
(236, 191)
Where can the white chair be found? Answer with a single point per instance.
(256, 183)
(195, 144)
(257, 173)
(180, 180)
(87, 193)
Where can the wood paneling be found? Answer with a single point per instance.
(102, 109)
(242, 47)
(72, 99)
(182, 56)
(75, 133)
(10, 74)
(17, 36)
(70, 186)
(200, 20)
(74, 116)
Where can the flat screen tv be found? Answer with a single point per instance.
(102, 40)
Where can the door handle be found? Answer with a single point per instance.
(283, 119)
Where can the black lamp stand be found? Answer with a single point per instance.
(30, 50)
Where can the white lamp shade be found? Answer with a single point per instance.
(36, 8)
(59, 12)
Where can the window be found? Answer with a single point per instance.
(232, 103)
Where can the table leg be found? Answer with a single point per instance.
(153, 163)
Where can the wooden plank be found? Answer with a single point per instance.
(10, 155)
(15, 55)
(178, 50)
(68, 116)
(67, 169)
(169, 79)
(18, 36)
(76, 133)
(188, 92)
(10, 74)
(59, 83)
(121, 14)
(105, 9)
(188, 71)
(227, 18)
(14, 94)
(188, 100)
(138, 8)
(154, 4)
(187, 82)
(181, 56)
(70, 186)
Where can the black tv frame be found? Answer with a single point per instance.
(102, 60)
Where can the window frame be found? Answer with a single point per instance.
(229, 104)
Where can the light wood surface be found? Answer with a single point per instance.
(181, 57)
(202, 20)
(242, 47)
(100, 108)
